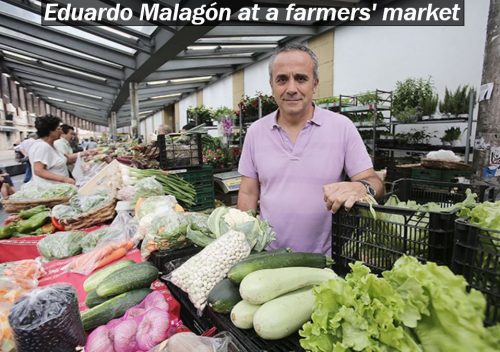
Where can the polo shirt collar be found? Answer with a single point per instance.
(317, 118)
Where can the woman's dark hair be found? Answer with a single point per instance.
(66, 128)
(46, 124)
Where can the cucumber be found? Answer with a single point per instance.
(113, 308)
(273, 260)
(127, 278)
(223, 297)
(96, 278)
(242, 314)
(93, 299)
(284, 315)
(264, 285)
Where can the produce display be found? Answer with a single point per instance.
(61, 245)
(33, 221)
(38, 191)
(121, 286)
(413, 307)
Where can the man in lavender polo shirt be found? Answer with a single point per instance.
(295, 159)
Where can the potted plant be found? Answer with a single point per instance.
(451, 135)
(225, 116)
(409, 99)
(455, 103)
(249, 106)
(200, 114)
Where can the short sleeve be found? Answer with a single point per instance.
(59, 147)
(356, 158)
(247, 165)
(39, 152)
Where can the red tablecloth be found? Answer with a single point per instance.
(24, 247)
(19, 248)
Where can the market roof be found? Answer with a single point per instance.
(86, 70)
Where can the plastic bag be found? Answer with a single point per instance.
(148, 187)
(188, 341)
(61, 245)
(47, 319)
(126, 193)
(84, 171)
(151, 208)
(81, 204)
(43, 190)
(166, 233)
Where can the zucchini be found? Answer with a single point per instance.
(93, 299)
(242, 314)
(113, 308)
(284, 315)
(264, 285)
(96, 278)
(273, 260)
(127, 278)
(223, 297)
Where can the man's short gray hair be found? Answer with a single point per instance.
(295, 47)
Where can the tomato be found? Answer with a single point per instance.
(57, 224)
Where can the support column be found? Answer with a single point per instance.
(134, 110)
(112, 125)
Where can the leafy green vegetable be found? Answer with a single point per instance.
(257, 231)
(413, 307)
(33, 191)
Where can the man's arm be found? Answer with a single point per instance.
(248, 196)
(345, 194)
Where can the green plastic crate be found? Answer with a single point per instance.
(421, 173)
(203, 181)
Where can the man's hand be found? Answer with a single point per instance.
(344, 194)
(69, 180)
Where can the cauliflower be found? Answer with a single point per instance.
(236, 217)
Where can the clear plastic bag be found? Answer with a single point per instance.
(148, 187)
(120, 237)
(188, 342)
(47, 319)
(43, 190)
(84, 171)
(61, 245)
(166, 232)
(151, 208)
(81, 204)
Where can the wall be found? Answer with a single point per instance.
(219, 94)
(257, 79)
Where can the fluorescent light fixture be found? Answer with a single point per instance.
(156, 83)
(55, 99)
(166, 96)
(16, 82)
(145, 112)
(120, 33)
(191, 79)
(19, 56)
(202, 47)
(37, 3)
(82, 105)
(42, 84)
(46, 63)
(231, 46)
(6, 74)
(79, 93)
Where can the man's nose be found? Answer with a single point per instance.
(291, 87)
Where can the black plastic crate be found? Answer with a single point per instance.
(476, 256)
(250, 339)
(180, 151)
(378, 243)
(444, 193)
(189, 314)
(161, 258)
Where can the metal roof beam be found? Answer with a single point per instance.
(204, 62)
(61, 84)
(254, 31)
(109, 86)
(216, 52)
(79, 110)
(192, 72)
(59, 58)
(68, 96)
(149, 92)
(85, 46)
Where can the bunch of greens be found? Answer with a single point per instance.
(34, 191)
(147, 187)
(414, 307)
(257, 231)
(80, 204)
(485, 215)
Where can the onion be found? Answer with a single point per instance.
(152, 329)
(156, 299)
(99, 341)
(124, 336)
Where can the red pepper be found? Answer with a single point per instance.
(57, 224)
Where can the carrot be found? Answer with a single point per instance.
(118, 253)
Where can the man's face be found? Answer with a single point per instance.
(69, 136)
(293, 82)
